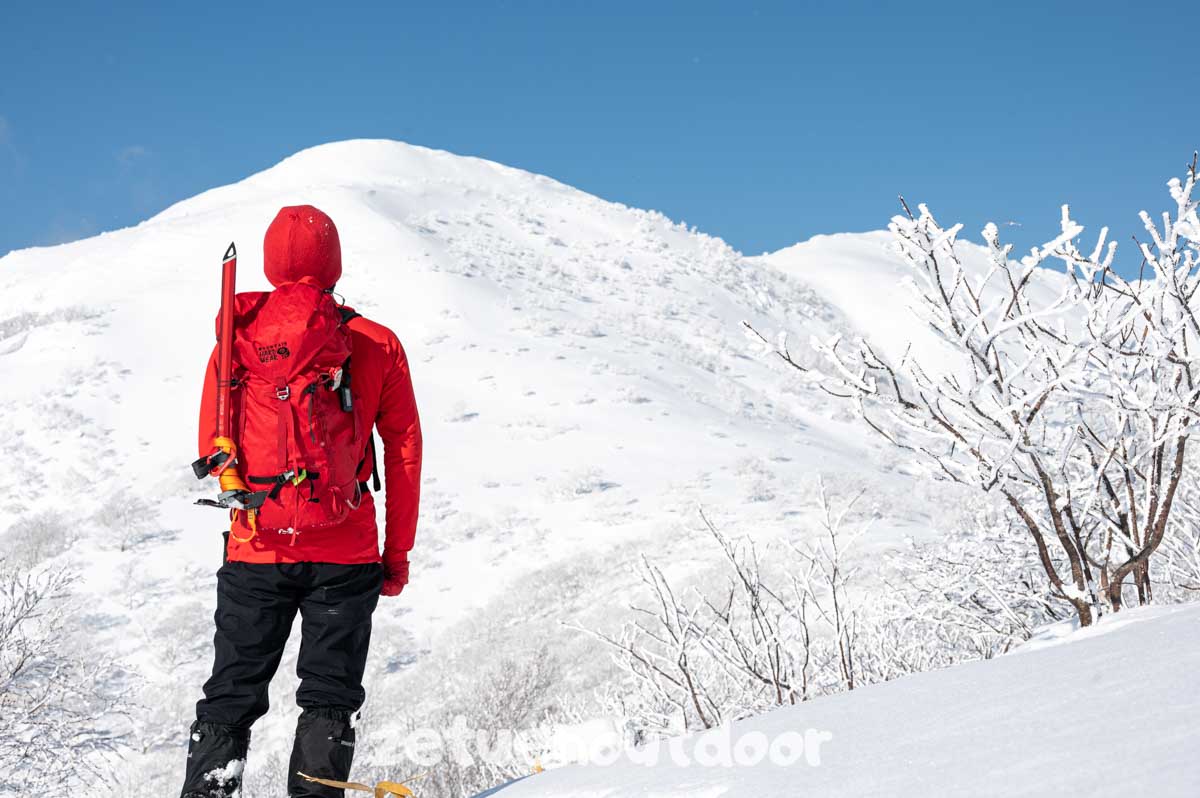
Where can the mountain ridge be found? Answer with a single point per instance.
(583, 377)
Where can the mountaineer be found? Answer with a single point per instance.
(288, 428)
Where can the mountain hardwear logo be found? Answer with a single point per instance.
(271, 352)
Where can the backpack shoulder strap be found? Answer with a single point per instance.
(347, 314)
(375, 481)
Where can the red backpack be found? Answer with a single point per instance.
(299, 436)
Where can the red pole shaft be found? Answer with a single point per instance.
(225, 341)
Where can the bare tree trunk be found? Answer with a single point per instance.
(1115, 590)
(1145, 591)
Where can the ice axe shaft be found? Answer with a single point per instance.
(225, 341)
(224, 452)
(223, 462)
(380, 790)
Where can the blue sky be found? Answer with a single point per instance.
(765, 123)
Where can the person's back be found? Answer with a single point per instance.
(314, 546)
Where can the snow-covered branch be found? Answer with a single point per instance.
(1070, 393)
(59, 713)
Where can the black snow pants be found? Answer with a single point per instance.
(256, 604)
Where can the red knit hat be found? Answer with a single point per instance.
(302, 242)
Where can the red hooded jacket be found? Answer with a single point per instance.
(302, 242)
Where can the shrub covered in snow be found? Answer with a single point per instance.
(794, 621)
(59, 709)
(1071, 396)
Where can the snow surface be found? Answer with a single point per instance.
(584, 383)
(583, 379)
(1108, 711)
(862, 276)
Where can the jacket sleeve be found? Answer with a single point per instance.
(400, 428)
(208, 407)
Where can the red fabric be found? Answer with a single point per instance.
(383, 395)
(286, 342)
(302, 242)
(395, 574)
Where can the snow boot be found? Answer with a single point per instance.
(324, 748)
(216, 759)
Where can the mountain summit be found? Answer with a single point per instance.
(584, 381)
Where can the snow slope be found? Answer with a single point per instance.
(583, 380)
(1109, 711)
(859, 274)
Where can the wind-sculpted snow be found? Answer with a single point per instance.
(582, 375)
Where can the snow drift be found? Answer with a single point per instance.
(1012, 726)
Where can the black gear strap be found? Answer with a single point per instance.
(375, 484)
(279, 480)
(207, 464)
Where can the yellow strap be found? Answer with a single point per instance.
(381, 790)
(230, 479)
(251, 519)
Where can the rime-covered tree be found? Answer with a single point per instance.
(1070, 393)
(59, 716)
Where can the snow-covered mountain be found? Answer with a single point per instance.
(582, 374)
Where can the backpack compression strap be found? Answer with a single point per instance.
(376, 485)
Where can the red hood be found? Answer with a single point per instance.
(302, 242)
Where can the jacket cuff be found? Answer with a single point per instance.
(394, 556)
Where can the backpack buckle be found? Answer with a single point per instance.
(282, 394)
